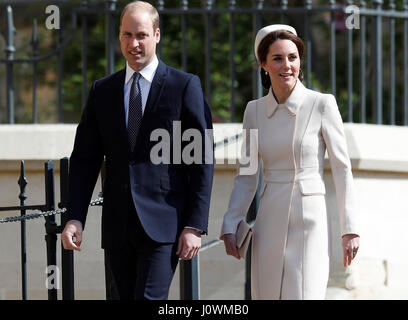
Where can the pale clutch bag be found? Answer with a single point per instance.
(243, 236)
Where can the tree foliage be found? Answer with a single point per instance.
(218, 90)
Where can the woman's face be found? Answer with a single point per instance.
(283, 64)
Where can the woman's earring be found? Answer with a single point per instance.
(266, 73)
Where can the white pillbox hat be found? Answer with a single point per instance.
(262, 33)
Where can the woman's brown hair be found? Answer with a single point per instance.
(263, 50)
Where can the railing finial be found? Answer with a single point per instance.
(22, 182)
(260, 4)
(392, 5)
(34, 38)
(11, 32)
(111, 4)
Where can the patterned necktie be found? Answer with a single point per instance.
(135, 110)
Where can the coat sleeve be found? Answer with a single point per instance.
(197, 116)
(246, 181)
(85, 162)
(335, 140)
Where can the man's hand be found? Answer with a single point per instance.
(72, 229)
(189, 244)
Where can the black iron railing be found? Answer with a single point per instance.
(46, 212)
(370, 49)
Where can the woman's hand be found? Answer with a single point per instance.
(351, 243)
(230, 243)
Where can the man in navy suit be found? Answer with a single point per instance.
(153, 213)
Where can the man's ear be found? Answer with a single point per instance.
(157, 35)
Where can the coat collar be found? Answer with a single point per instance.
(292, 104)
(147, 72)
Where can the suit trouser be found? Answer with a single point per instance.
(143, 268)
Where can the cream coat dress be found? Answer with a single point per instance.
(290, 244)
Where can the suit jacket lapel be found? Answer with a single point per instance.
(155, 89)
(155, 92)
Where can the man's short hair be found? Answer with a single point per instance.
(145, 6)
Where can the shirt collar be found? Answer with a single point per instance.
(147, 72)
(292, 103)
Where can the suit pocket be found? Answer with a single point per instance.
(312, 187)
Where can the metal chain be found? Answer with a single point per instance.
(95, 202)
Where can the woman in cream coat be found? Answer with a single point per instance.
(290, 243)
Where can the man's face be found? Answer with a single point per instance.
(137, 38)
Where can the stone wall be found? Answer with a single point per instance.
(380, 166)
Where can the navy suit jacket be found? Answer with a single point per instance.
(167, 197)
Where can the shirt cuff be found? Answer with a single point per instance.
(76, 221)
(201, 231)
